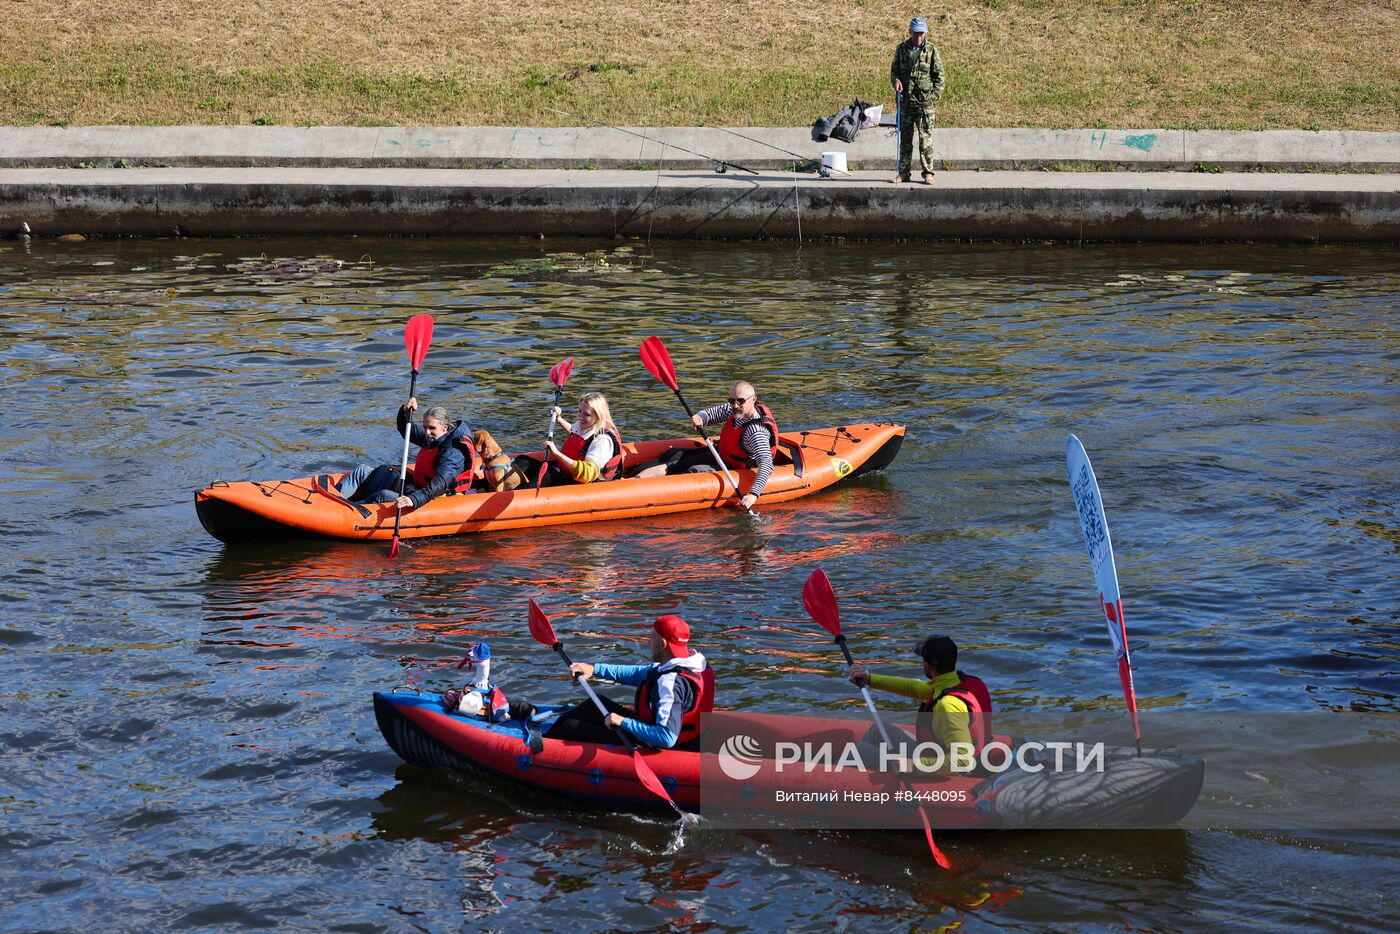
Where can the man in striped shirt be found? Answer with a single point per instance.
(748, 440)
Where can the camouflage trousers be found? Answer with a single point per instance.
(914, 119)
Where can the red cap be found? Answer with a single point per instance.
(676, 633)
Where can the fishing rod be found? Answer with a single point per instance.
(724, 129)
(807, 164)
(721, 165)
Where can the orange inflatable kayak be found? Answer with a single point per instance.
(309, 507)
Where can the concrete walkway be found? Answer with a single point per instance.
(1039, 205)
(754, 147)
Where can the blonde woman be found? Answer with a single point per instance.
(591, 452)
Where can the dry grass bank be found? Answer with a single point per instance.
(1128, 63)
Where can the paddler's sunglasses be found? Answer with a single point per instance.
(740, 401)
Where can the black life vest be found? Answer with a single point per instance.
(731, 436)
(702, 700)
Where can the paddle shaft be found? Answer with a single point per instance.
(719, 461)
(403, 464)
(558, 398)
(544, 462)
(543, 633)
(865, 693)
(819, 599)
(593, 696)
(644, 771)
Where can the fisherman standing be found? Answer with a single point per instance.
(917, 76)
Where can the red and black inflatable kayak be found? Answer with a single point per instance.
(1154, 788)
(309, 507)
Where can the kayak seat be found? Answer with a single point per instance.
(789, 453)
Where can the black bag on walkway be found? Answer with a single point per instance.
(842, 125)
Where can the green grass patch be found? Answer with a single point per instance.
(1036, 63)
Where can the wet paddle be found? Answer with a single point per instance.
(417, 336)
(1094, 524)
(543, 632)
(820, 600)
(558, 375)
(658, 361)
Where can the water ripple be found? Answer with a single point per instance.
(188, 727)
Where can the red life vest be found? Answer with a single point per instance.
(423, 464)
(576, 444)
(731, 436)
(703, 702)
(971, 691)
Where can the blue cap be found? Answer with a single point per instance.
(480, 652)
(918, 24)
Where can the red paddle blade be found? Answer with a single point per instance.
(939, 856)
(657, 360)
(559, 373)
(820, 601)
(416, 337)
(649, 780)
(539, 626)
(394, 549)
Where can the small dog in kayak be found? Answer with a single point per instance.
(498, 473)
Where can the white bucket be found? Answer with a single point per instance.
(834, 162)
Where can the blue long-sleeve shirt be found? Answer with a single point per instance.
(674, 695)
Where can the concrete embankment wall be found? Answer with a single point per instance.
(337, 180)
(975, 205)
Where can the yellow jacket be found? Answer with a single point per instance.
(951, 715)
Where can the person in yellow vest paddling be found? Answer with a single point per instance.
(955, 708)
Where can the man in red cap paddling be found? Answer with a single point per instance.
(672, 692)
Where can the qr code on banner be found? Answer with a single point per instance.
(1087, 501)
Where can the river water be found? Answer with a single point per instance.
(188, 738)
